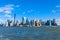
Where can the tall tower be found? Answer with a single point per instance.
(23, 20)
(14, 18)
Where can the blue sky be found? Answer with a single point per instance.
(40, 9)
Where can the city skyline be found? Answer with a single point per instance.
(40, 9)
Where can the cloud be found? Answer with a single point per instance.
(7, 10)
(29, 11)
(53, 11)
(8, 16)
(17, 6)
(58, 6)
(1, 10)
(1, 21)
(24, 13)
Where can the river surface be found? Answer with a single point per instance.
(29, 33)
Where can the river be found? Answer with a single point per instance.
(29, 33)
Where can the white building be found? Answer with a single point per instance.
(58, 21)
(37, 23)
(12, 23)
(5, 24)
(18, 23)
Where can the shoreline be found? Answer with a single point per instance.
(30, 26)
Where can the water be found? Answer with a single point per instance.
(30, 33)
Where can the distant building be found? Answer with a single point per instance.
(18, 23)
(14, 19)
(23, 20)
(40, 23)
(43, 23)
(31, 22)
(48, 23)
(58, 22)
(1, 24)
(54, 22)
(27, 22)
(12, 23)
(9, 22)
(5, 24)
(37, 23)
(51, 23)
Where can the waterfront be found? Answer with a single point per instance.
(29, 33)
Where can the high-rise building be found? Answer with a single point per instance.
(48, 23)
(58, 22)
(37, 23)
(5, 24)
(51, 22)
(23, 20)
(12, 23)
(32, 23)
(18, 23)
(9, 22)
(43, 23)
(27, 22)
(40, 23)
(14, 19)
(54, 22)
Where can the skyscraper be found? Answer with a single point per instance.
(37, 23)
(24, 20)
(18, 23)
(49, 23)
(54, 22)
(14, 18)
(27, 21)
(31, 22)
(9, 22)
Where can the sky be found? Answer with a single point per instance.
(32, 9)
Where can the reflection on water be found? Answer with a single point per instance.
(21, 33)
